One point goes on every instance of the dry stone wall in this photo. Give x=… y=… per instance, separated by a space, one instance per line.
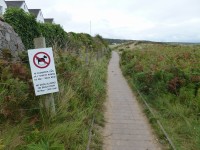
x=9 y=39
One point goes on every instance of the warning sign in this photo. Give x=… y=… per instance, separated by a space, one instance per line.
x=43 y=71
x=41 y=60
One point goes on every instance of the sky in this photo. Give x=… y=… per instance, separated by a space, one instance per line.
x=155 y=20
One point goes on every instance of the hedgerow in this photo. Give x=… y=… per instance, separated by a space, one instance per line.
x=54 y=34
x=26 y=26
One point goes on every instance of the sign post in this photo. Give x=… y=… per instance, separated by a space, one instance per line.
x=43 y=73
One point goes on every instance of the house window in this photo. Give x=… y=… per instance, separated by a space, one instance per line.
x=1 y=10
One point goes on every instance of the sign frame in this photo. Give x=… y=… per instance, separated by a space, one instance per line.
x=43 y=71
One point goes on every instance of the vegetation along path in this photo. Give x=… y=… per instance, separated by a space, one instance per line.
x=127 y=127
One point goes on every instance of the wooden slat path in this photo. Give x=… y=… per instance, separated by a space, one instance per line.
x=127 y=127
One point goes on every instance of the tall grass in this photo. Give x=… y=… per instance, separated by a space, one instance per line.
x=80 y=99
x=168 y=76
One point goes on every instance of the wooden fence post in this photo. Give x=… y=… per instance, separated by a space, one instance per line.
x=49 y=99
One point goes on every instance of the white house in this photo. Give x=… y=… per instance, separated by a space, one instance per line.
x=18 y=4
x=38 y=14
x=3 y=7
x=49 y=20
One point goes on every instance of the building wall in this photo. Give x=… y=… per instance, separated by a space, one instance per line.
x=40 y=17
x=24 y=7
x=4 y=6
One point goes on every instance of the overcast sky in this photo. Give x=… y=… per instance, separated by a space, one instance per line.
x=158 y=20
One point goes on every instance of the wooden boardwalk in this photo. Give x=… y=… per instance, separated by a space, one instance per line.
x=127 y=128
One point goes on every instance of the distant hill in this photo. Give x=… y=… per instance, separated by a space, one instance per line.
x=117 y=41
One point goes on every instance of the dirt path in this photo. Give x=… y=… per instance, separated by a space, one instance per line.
x=127 y=127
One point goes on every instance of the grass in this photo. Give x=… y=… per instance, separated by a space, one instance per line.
x=82 y=93
x=168 y=76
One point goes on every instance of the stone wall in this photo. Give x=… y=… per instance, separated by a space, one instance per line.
x=9 y=39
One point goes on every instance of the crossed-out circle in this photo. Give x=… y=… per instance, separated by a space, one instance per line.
x=46 y=60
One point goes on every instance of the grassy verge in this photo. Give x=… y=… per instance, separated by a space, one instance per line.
x=82 y=93
x=169 y=79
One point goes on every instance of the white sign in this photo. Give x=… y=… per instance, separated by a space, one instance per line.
x=43 y=71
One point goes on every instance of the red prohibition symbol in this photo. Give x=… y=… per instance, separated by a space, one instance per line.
x=41 y=60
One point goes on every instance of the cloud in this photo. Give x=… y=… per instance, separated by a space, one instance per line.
x=161 y=20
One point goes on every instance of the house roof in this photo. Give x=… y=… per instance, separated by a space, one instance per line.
x=35 y=12
x=49 y=20
x=14 y=3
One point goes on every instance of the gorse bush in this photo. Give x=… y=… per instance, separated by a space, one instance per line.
x=24 y=24
x=169 y=78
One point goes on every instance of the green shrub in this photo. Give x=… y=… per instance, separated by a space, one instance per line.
x=24 y=24
x=83 y=41
x=82 y=93
x=54 y=34
x=23 y=121
x=16 y=91
x=169 y=78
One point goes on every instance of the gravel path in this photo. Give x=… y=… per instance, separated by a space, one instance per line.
x=127 y=127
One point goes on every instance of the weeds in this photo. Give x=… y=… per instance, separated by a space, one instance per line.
x=24 y=123
x=168 y=77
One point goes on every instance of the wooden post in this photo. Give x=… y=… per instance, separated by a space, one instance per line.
x=39 y=42
x=49 y=103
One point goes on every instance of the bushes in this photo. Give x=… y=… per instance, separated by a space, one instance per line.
x=28 y=29
x=83 y=41
x=169 y=78
x=169 y=67
x=54 y=35
x=24 y=24
x=16 y=91
x=23 y=123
